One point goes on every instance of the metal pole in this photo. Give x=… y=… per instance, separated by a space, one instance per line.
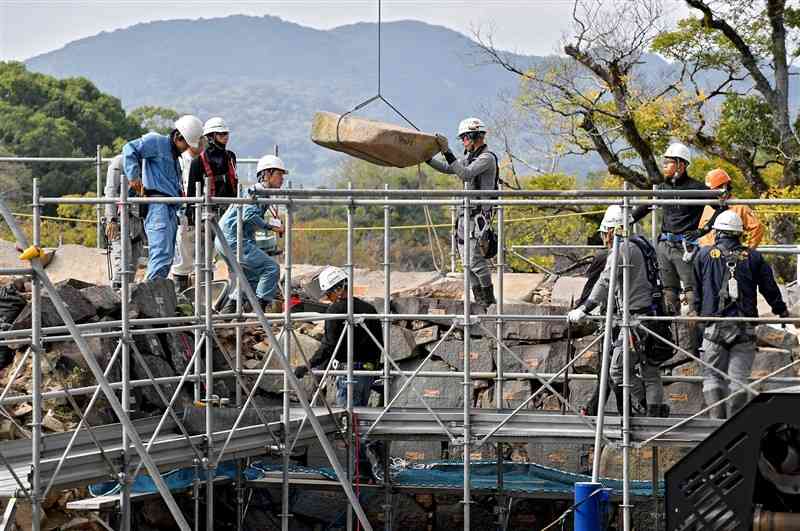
x=452 y=239
x=654 y=220
x=36 y=376
x=626 y=369
x=387 y=353
x=287 y=348
x=500 y=380
x=198 y=274
x=608 y=341
x=467 y=382
x=125 y=277
x=239 y=466
x=99 y=208
x=208 y=217
x=350 y=344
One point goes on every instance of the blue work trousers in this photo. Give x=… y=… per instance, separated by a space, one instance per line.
x=261 y=271
x=161 y=226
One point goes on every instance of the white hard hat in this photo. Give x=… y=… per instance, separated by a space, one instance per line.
x=215 y=125
x=471 y=125
x=611 y=219
x=676 y=150
x=729 y=221
x=330 y=277
x=270 y=162
x=191 y=129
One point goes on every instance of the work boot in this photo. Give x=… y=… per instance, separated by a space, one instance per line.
x=181 y=283
x=488 y=295
x=477 y=294
x=637 y=409
x=658 y=410
x=712 y=396
x=737 y=402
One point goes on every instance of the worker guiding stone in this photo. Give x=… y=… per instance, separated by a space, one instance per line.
x=728 y=276
x=478 y=168
x=218 y=164
x=261 y=271
x=647 y=391
x=154 y=158
x=367 y=349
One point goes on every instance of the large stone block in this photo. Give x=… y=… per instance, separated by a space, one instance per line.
x=403 y=343
x=79 y=309
x=684 y=398
x=437 y=391
x=773 y=336
x=302 y=347
x=154 y=298
x=515 y=392
x=426 y=335
x=539 y=358
x=588 y=362
x=769 y=360
x=481 y=354
x=581 y=391
x=147 y=397
x=430 y=306
x=417 y=450
x=534 y=330
x=104 y=299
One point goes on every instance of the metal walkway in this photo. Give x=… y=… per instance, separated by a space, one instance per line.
x=84 y=464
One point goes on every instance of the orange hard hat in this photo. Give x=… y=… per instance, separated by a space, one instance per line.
x=717 y=177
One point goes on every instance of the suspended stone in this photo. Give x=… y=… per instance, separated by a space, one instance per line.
x=376 y=142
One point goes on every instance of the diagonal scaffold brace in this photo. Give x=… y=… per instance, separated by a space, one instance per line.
x=341 y=474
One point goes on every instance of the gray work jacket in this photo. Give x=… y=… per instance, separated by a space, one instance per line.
x=480 y=171
x=640 y=291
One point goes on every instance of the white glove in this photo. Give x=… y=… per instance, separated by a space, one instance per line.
x=444 y=145
x=577 y=315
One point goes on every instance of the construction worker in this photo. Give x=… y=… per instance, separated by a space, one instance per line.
x=154 y=158
x=478 y=168
x=677 y=243
x=718 y=179
x=366 y=352
x=647 y=391
x=136 y=239
x=219 y=164
x=262 y=272
x=728 y=275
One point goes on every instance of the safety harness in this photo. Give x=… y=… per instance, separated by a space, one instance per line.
x=729 y=287
x=212 y=182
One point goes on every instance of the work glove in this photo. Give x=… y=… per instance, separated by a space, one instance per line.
x=300 y=372
x=112 y=230
x=444 y=145
x=577 y=315
x=694 y=235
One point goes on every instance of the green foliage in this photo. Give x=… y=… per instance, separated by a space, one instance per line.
x=745 y=122
x=154 y=118
x=41 y=116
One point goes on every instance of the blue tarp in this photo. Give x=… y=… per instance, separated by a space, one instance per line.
x=528 y=478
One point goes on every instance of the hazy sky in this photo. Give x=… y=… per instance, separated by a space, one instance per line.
x=31 y=27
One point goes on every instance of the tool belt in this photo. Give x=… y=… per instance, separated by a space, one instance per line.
x=674 y=238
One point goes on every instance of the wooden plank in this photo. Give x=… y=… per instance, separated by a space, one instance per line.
x=9 y=515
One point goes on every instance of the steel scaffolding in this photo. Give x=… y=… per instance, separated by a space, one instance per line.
x=144 y=445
